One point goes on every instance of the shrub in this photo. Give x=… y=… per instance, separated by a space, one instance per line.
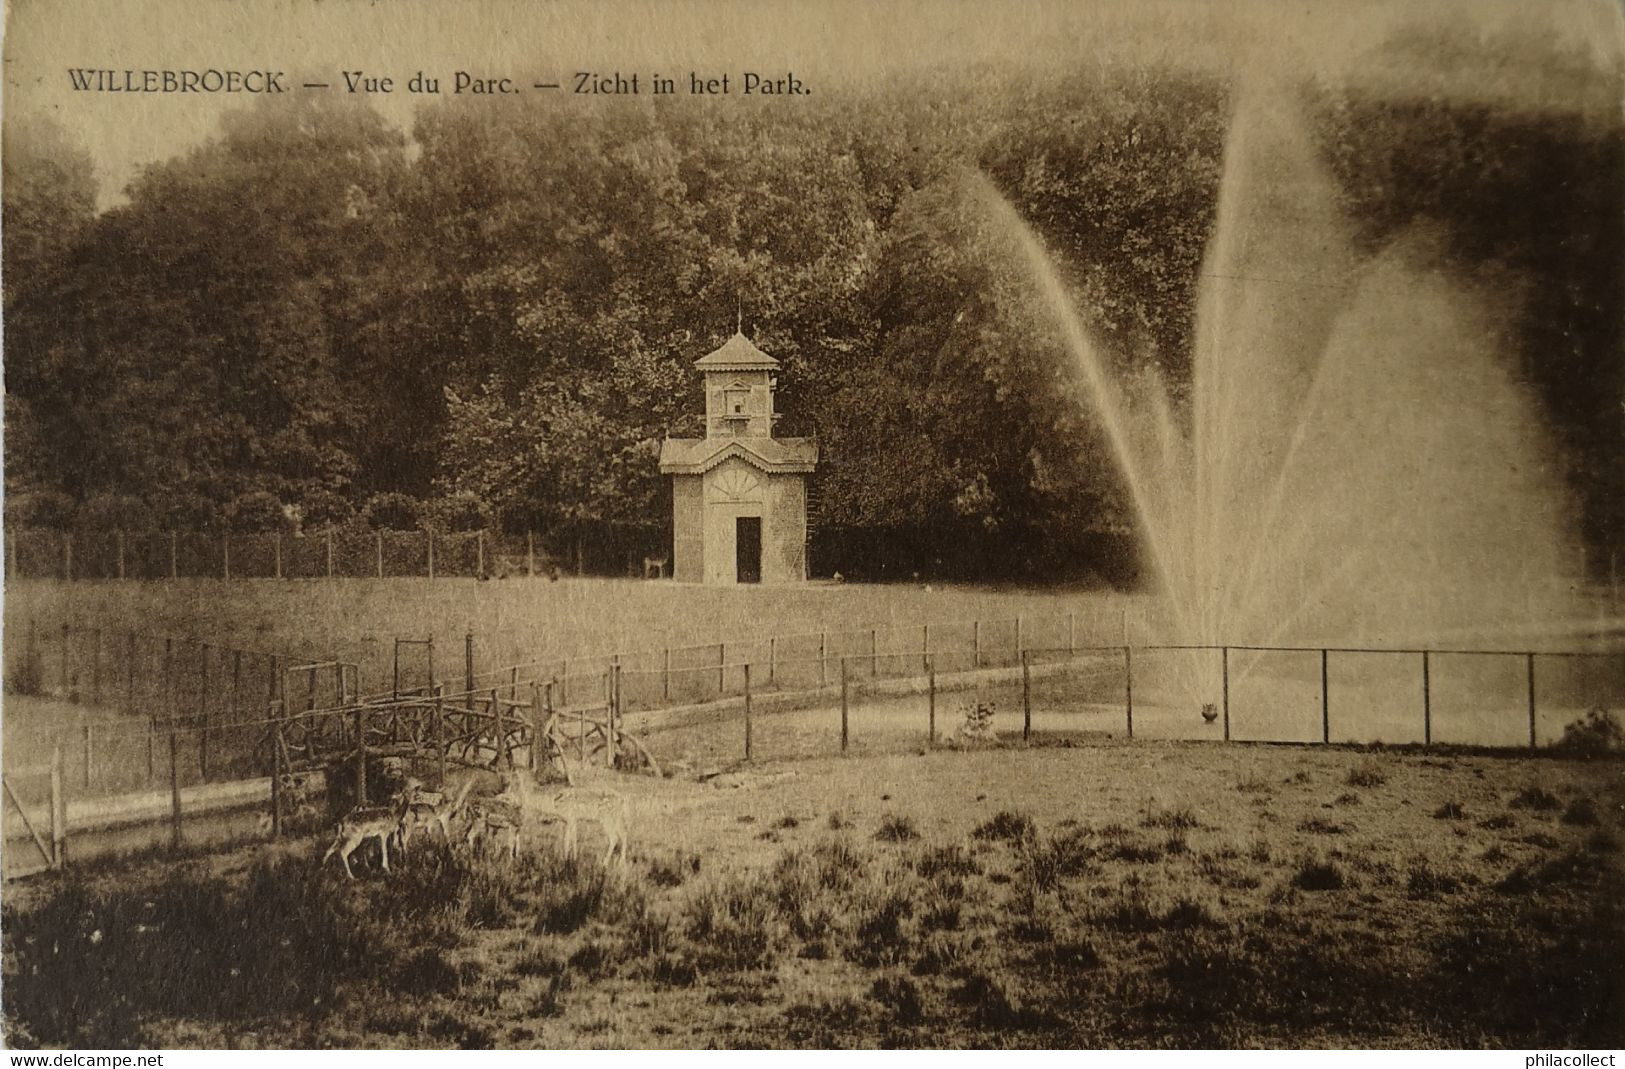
x=321 y=509
x=1182 y=817
x=40 y=508
x=1425 y=881
x=673 y=870
x=902 y=996
x=1581 y=812
x=1535 y=798
x=461 y=511
x=976 y=723
x=733 y=925
x=883 y=930
x=1450 y=811
x=253 y=512
x=1366 y=775
x=1602 y=841
x=1598 y=732
x=1006 y=825
x=1316 y=874
x=392 y=512
x=184 y=512
x=950 y=860
x=114 y=512
x=988 y=994
x=896 y=829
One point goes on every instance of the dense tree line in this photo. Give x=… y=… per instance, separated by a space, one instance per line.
x=498 y=314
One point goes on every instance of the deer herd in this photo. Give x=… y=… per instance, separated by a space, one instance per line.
x=501 y=816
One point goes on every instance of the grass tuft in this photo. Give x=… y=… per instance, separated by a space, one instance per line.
x=897 y=829
x=1319 y=874
x=1006 y=826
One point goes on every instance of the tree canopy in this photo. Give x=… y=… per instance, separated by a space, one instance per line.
x=500 y=311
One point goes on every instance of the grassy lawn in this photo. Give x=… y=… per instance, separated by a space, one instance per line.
x=523 y=620
x=1108 y=894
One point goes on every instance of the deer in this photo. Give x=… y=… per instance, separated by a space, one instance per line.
x=492 y=817
x=360 y=824
x=572 y=805
x=425 y=809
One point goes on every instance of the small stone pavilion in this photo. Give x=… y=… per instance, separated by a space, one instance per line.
x=739 y=495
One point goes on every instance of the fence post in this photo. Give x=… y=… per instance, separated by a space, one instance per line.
x=275 y=735
x=120 y=542
x=772 y=659
x=931 y=700
x=360 y=756
x=96 y=666
x=174 y=564
x=169 y=679
x=976 y=640
x=502 y=729
x=225 y=555
x=203 y=714
x=1427 y=703
x=1026 y=699
x=1531 y=670
x=535 y=720
x=747 y=710
x=665 y=675
x=440 y=734
x=59 y=829
x=90 y=760
x=129 y=677
x=1019 y=646
x=174 y=788
x=823 y=658
x=843 y=706
x=1224 y=665
x=613 y=744
x=479 y=549
x=1071 y=632
x=925 y=647
x=378 y=548
x=429 y=538
x=1128 y=687
x=468 y=669
x=874 y=664
x=722 y=668
x=1325 y=703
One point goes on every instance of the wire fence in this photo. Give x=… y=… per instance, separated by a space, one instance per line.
x=120 y=712
x=886 y=703
x=341 y=553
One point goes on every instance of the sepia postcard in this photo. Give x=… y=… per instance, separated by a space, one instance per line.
x=913 y=524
